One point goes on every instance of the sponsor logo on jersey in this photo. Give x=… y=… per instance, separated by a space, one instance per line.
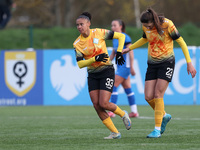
x=95 y=41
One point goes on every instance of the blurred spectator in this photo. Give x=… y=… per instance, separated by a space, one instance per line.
x=5 y=14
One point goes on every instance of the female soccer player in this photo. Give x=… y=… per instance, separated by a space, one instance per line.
x=91 y=46
x=160 y=33
x=122 y=75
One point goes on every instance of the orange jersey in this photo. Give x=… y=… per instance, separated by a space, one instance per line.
x=92 y=46
x=160 y=47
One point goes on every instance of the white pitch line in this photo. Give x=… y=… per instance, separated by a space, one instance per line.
x=144 y=117
x=65 y=117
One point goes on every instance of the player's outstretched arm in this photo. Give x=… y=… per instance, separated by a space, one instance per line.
x=121 y=39
x=135 y=45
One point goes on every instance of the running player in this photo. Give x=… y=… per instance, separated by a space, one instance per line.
x=160 y=33
x=122 y=75
x=91 y=52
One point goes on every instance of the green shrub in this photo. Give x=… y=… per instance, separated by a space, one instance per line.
x=58 y=38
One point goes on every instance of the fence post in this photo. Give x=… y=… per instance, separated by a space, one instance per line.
x=31 y=36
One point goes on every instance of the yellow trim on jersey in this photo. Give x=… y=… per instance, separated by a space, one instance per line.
x=138 y=43
x=85 y=63
x=121 y=40
x=184 y=48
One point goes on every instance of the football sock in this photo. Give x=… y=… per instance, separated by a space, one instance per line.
x=157 y=128
x=134 y=108
x=114 y=95
x=109 y=124
x=130 y=95
x=152 y=104
x=131 y=99
x=119 y=112
x=159 y=109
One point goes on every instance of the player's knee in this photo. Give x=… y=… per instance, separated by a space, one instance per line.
x=158 y=94
x=148 y=97
x=104 y=105
x=96 y=106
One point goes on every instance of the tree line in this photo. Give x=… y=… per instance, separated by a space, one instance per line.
x=50 y=13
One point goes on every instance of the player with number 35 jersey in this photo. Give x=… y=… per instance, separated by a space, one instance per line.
x=91 y=52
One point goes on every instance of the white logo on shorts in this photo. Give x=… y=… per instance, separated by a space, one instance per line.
x=169 y=72
x=109 y=83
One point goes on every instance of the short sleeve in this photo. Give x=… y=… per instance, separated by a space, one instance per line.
x=127 y=40
x=115 y=44
x=173 y=32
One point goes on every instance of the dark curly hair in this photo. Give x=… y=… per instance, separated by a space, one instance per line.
x=85 y=15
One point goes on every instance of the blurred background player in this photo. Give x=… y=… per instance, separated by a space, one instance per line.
x=160 y=33
x=122 y=75
x=91 y=46
x=5 y=12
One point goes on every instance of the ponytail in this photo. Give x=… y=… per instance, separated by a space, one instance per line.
x=121 y=23
x=123 y=26
x=150 y=15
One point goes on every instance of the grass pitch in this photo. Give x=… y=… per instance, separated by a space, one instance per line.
x=79 y=128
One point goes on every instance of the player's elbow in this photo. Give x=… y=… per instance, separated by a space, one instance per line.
x=122 y=36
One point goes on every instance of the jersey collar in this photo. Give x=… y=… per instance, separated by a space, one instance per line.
x=84 y=39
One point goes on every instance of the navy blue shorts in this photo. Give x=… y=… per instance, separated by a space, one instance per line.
x=163 y=71
x=103 y=80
